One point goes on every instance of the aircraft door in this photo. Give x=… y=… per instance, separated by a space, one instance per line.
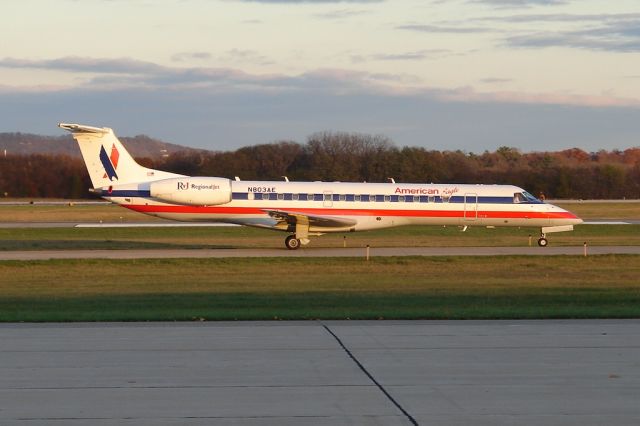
x=470 y=207
x=327 y=199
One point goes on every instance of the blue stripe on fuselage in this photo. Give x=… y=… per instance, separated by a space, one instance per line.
x=126 y=193
x=349 y=197
x=380 y=198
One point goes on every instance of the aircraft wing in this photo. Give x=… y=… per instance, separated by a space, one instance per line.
x=296 y=218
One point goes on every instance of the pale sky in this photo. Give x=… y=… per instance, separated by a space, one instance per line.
x=221 y=74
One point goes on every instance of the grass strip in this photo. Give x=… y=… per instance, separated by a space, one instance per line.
x=72 y=212
x=276 y=288
x=562 y=303
x=244 y=237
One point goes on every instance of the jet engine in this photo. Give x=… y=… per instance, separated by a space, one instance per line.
x=192 y=191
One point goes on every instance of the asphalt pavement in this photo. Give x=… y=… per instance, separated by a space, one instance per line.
x=312 y=373
x=315 y=252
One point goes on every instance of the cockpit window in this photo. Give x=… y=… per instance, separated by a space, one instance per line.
x=524 y=197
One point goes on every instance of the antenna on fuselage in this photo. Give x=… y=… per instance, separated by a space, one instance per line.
x=237 y=179
x=286 y=179
x=392 y=180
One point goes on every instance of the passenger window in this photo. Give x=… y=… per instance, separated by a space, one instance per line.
x=431 y=199
x=257 y=196
x=342 y=197
x=356 y=198
x=327 y=197
x=401 y=198
x=294 y=197
x=387 y=198
x=416 y=198
x=445 y=198
x=372 y=198
x=280 y=196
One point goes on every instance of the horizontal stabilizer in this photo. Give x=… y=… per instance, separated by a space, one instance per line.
x=79 y=128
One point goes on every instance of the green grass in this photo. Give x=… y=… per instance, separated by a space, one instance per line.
x=244 y=237
x=197 y=237
x=338 y=288
x=71 y=212
x=193 y=307
x=603 y=210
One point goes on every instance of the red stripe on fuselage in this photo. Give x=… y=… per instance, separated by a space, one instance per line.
x=349 y=212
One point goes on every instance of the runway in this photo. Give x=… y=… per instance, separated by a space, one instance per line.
x=158 y=224
x=312 y=373
x=173 y=224
x=314 y=252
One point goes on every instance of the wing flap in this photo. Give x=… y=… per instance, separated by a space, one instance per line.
x=298 y=218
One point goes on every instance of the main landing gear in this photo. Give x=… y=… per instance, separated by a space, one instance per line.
x=292 y=242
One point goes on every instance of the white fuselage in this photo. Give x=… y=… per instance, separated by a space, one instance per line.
x=305 y=208
x=365 y=205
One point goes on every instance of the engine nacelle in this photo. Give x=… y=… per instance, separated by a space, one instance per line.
x=193 y=191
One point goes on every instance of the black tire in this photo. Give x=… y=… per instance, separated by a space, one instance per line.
x=542 y=242
x=292 y=242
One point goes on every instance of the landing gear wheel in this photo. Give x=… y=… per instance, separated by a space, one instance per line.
x=542 y=242
x=292 y=242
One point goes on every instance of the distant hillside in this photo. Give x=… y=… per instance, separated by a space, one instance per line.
x=138 y=146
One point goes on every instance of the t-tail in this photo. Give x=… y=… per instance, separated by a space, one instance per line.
x=108 y=162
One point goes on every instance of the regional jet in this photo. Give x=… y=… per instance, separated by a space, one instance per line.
x=306 y=209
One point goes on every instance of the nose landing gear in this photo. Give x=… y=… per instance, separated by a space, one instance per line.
x=542 y=241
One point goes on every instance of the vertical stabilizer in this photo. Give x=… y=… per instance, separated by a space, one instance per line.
x=107 y=160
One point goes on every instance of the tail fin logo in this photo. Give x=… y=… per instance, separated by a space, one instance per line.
x=110 y=163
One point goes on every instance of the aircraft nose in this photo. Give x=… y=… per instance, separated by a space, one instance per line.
x=562 y=216
x=574 y=220
x=570 y=218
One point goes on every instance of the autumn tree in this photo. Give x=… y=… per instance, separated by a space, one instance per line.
x=356 y=157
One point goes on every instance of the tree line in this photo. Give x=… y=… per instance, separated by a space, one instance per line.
x=332 y=156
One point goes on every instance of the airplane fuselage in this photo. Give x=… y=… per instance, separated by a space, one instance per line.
x=303 y=209
x=368 y=205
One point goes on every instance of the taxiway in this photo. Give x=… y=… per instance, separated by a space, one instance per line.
x=313 y=373
x=314 y=252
